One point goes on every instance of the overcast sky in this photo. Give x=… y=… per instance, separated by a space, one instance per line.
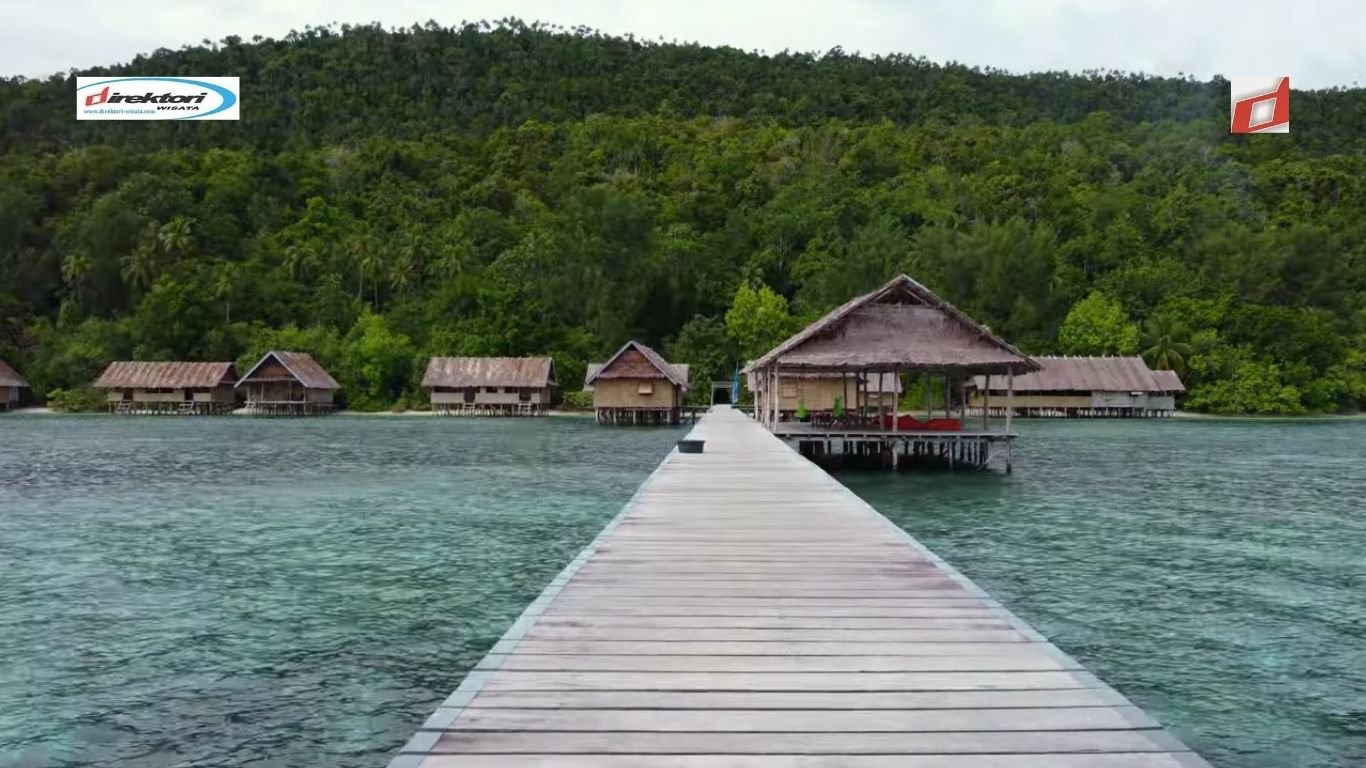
x=1317 y=42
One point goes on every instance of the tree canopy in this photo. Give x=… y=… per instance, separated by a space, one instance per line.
x=504 y=189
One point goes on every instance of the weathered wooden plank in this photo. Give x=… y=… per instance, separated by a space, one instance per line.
x=767 y=648
x=933 y=608
x=1020 y=662
x=1019 y=742
x=967 y=699
x=507 y=680
x=548 y=632
x=721 y=760
x=805 y=720
x=929 y=619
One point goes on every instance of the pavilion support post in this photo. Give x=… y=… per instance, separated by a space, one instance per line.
x=1010 y=410
x=777 y=396
x=896 y=378
x=986 y=402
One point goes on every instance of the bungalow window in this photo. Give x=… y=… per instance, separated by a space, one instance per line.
x=646 y=388
x=509 y=390
x=490 y=389
x=524 y=395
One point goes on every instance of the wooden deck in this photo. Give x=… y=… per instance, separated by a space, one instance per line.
x=745 y=610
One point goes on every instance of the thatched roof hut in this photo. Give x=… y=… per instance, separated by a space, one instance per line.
x=1084 y=386
x=459 y=372
x=901 y=326
x=138 y=374
x=285 y=383
x=11 y=386
x=290 y=367
x=637 y=386
x=636 y=361
x=1090 y=374
x=490 y=385
x=169 y=387
x=11 y=378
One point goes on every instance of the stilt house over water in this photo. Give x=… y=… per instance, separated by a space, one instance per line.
x=1085 y=387
x=490 y=386
x=12 y=387
x=289 y=384
x=637 y=386
x=900 y=328
x=169 y=387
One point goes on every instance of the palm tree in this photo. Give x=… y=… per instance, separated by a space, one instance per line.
x=300 y=260
x=74 y=269
x=174 y=237
x=139 y=268
x=369 y=264
x=224 y=288
x=1163 y=347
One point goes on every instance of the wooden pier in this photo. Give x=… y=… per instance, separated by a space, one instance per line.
x=745 y=610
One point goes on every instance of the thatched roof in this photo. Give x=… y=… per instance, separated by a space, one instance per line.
x=1090 y=374
x=900 y=325
x=290 y=366
x=1169 y=381
x=137 y=374
x=533 y=372
x=636 y=361
x=9 y=377
x=876 y=382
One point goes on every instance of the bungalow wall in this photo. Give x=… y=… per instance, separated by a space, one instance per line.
x=285 y=392
x=999 y=400
x=491 y=395
x=636 y=393
x=219 y=394
x=9 y=397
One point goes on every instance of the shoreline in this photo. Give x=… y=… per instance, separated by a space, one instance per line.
x=559 y=413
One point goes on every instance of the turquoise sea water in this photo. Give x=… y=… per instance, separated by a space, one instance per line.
x=1212 y=570
x=235 y=592
x=240 y=592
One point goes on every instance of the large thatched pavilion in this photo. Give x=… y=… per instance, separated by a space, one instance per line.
x=899 y=329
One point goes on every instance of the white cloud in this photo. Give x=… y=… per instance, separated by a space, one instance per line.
x=1316 y=43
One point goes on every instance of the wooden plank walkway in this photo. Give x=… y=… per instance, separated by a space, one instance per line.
x=745 y=610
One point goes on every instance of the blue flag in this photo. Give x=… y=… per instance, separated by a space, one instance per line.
x=735 y=387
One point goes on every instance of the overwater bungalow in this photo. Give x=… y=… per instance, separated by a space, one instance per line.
x=637 y=386
x=12 y=387
x=144 y=387
x=490 y=386
x=1083 y=387
x=819 y=393
x=900 y=328
x=289 y=384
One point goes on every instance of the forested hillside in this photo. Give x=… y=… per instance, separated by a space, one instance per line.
x=511 y=190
